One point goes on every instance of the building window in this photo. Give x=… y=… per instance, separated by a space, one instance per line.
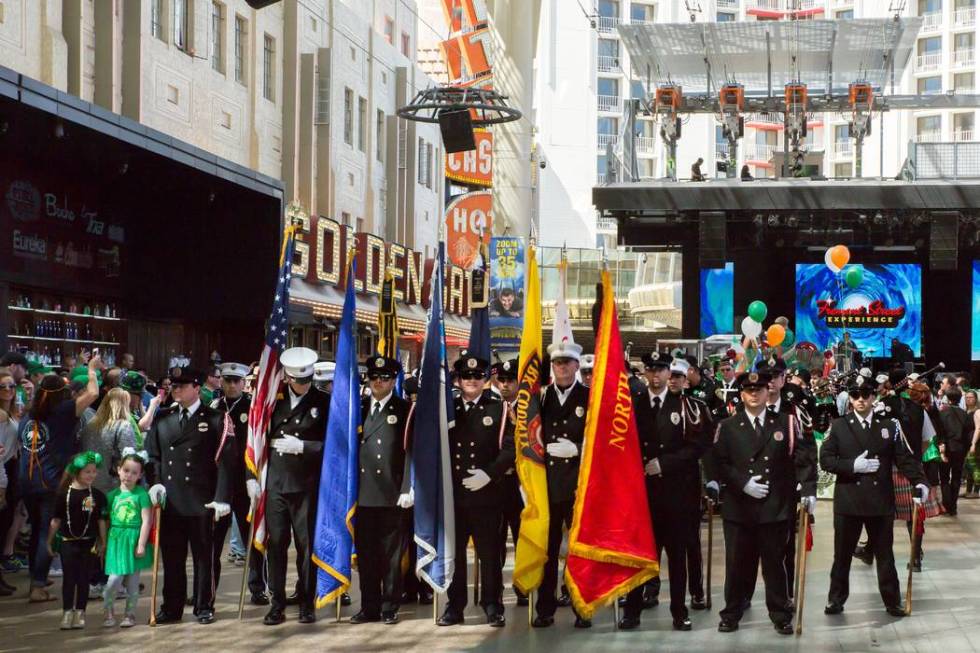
x=929 y=85
x=643 y=14
x=428 y=165
x=930 y=7
x=269 y=68
x=842 y=169
x=422 y=170
x=846 y=14
x=842 y=133
x=406 y=45
x=156 y=19
x=348 y=116
x=362 y=124
x=963 y=126
x=963 y=82
x=180 y=23
x=725 y=17
x=928 y=128
x=933 y=45
x=379 y=139
x=241 y=34
x=390 y=30
x=345 y=218
x=636 y=90
x=217 y=36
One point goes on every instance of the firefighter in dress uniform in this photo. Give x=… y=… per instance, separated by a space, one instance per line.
x=481 y=454
x=760 y=458
x=563 y=407
x=235 y=403
x=674 y=432
x=384 y=492
x=297 y=429
x=190 y=473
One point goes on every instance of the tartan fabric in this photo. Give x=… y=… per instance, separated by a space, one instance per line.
x=903 y=498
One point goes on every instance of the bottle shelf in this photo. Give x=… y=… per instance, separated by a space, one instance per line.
x=65 y=314
x=44 y=339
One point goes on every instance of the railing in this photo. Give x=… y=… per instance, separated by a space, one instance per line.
x=608 y=23
x=932 y=61
x=965 y=17
x=728 y=4
x=642 y=21
x=962 y=135
x=771 y=118
x=965 y=57
x=932 y=20
x=609 y=103
x=843 y=3
x=771 y=5
x=608 y=139
x=957 y=160
x=843 y=149
x=758 y=151
x=645 y=143
x=606 y=224
x=607 y=64
x=927 y=137
x=721 y=150
x=600 y=178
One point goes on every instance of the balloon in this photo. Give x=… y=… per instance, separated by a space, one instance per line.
x=829 y=263
x=839 y=256
x=757 y=311
x=751 y=328
x=854 y=276
x=788 y=338
x=782 y=321
x=775 y=335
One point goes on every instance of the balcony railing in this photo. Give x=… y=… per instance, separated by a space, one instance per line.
x=966 y=17
x=770 y=118
x=759 y=151
x=645 y=143
x=608 y=139
x=933 y=61
x=609 y=23
x=721 y=150
x=932 y=20
x=642 y=21
x=843 y=149
x=771 y=5
x=610 y=103
x=607 y=64
x=928 y=137
x=600 y=178
x=966 y=57
x=728 y=4
x=961 y=135
x=843 y=3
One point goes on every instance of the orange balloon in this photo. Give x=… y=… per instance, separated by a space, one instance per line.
x=840 y=255
x=775 y=335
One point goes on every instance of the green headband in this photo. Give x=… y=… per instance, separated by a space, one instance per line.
x=79 y=462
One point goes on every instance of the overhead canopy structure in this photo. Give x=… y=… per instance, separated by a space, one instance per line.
x=763 y=56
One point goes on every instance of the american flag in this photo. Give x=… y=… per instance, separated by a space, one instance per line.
x=267 y=384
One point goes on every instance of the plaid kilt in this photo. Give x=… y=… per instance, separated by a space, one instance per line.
x=903 y=498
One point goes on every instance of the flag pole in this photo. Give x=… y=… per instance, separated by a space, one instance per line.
x=338 y=606
x=530 y=609
x=248 y=559
x=711 y=530
x=435 y=607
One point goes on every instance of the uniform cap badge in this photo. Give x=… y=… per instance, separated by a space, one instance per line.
x=379 y=362
x=471 y=363
x=753 y=378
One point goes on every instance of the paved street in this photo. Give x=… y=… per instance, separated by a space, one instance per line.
x=946 y=617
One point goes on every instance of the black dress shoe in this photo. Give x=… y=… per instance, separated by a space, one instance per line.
x=363 y=618
x=697 y=603
x=521 y=598
x=833 y=608
x=650 y=600
x=582 y=623
x=896 y=610
x=682 y=624
x=496 y=620
x=260 y=598
x=407 y=598
x=746 y=605
x=293 y=599
x=621 y=601
x=205 y=617
x=425 y=598
x=629 y=623
x=5 y=585
x=274 y=617
x=390 y=617
x=564 y=600
x=345 y=599
x=307 y=616
x=450 y=618
x=785 y=628
x=727 y=626
x=167 y=618
x=190 y=601
x=542 y=622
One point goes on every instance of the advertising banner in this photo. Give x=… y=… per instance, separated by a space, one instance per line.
x=506 y=292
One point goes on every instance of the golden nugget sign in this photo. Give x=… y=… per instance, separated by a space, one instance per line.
x=320 y=261
x=474 y=167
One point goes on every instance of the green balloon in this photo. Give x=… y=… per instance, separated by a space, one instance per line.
x=788 y=339
x=758 y=311
x=854 y=276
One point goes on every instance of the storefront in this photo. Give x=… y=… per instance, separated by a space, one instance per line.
x=118 y=237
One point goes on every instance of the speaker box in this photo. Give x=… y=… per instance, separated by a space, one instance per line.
x=944 y=240
x=259 y=4
x=712 y=235
x=457 y=131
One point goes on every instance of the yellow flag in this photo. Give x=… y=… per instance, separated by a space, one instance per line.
x=532 y=544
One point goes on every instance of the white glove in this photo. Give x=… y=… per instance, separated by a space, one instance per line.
x=923 y=493
x=407 y=500
x=253 y=488
x=809 y=504
x=755 y=489
x=714 y=490
x=563 y=448
x=288 y=444
x=220 y=509
x=652 y=468
x=864 y=465
x=158 y=494
x=477 y=480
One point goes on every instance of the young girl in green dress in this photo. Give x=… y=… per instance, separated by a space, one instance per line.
x=129 y=516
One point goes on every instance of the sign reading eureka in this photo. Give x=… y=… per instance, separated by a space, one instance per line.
x=322 y=245
x=874 y=315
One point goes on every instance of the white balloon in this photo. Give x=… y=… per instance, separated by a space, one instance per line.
x=751 y=328
x=829 y=262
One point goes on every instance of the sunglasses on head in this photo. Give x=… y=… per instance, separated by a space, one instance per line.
x=863 y=393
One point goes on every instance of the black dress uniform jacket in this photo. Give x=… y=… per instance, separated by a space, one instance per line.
x=739 y=455
x=184 y=460
x=307 y=421
x=867 y=495
x=563 y=421
x=237 y=411
x=383 y=463
x=475 y=443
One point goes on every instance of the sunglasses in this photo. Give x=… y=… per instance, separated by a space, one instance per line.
x=862 y=394
x=380 y=377
x=471 y=375
x=6 y=386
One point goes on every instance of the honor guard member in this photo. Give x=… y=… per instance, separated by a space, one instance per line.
x=235 y=403
x=296 y=432
x=674 y=433
x=727 y=391
x=861 y=448
x=384 y=492
x=481 y=455
x=323 y=376
x=586 y=368
x=190 y=472
x=504 y=375
x=563 y=407
x=760 y=458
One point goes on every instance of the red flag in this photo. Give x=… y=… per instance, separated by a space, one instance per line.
x=611 y=547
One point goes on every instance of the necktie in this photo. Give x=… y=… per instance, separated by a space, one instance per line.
x=469 y=404
x=377 y=409
x=183 y=417
x=656 y=406
x=758 y=426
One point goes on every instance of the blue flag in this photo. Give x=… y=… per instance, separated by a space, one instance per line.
x=435 y=528
x=333 y=540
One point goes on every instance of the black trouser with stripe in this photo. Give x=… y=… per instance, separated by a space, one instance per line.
x=256 y=562
x=378 y=542
x=176 y=533
x=483 y=524
x=745 y=546
x=559 y=514
x=847 y=530
x=292 y=513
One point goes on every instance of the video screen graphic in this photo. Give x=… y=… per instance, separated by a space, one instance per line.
x=975 y=347
x=718 y=301
x=887 y=304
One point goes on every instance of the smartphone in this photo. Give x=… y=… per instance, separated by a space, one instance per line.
x=95 y=351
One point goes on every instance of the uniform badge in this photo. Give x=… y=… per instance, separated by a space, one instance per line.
x=202 y=427
x=579 y=411
x=392 y=419
x=675 y=418
x=487 y=421
x=506 y=366
x=778 y=436
x=885 y=434
x=243 y=417
x=471 y=363
x=314 y=412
